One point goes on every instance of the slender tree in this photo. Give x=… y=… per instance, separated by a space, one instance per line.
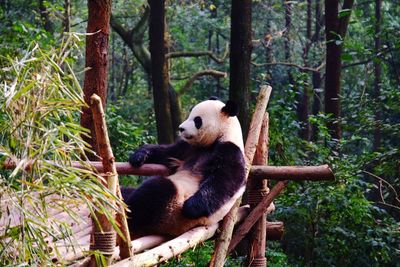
x=241 y=47
x=287 y=5
x=159 y=72
x=96 y=61
x=268 y=46
x=316 y=76
x=303 y=106
x=44 y=14
x=378 y=76
x=67 y=16
x=335 y=31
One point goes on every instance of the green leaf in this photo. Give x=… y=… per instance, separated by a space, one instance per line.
x=344 y=13
x=347 y=57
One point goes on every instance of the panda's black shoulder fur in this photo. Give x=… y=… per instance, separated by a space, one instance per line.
x=223 y=176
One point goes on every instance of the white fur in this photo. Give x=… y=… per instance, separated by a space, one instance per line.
x=216 y=125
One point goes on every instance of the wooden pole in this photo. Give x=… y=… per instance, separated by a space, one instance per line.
x=277 y=173
x=223 y=240
x=104 y=234
x=257 y=188
x=255 y=214
x=292 y=173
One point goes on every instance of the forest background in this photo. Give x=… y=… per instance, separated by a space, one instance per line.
x=353 y=221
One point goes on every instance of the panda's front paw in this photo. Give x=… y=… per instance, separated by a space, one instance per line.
x=139 y=157
x=194 y=208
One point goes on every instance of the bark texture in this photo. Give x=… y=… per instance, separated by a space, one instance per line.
x=159 y=72
x=335 y=31
x=241 y=47
x=97 y=61
x=378 y=76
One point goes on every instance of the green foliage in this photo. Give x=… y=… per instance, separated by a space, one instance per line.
x=333 y=223
x=353 y=221
x=125 y=135
x=38 y=131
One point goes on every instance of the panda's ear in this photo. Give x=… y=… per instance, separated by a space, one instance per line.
x=230 y=108
x=213 y=98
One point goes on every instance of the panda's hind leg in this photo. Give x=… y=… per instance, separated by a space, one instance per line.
x=148 y=205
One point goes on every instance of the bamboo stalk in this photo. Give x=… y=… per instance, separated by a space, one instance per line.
x=223 y=240
x=255 y=214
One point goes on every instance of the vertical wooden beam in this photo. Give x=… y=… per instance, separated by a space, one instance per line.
x=104 y=236
x=257 y=189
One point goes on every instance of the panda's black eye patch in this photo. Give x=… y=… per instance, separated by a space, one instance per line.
x=198 y=122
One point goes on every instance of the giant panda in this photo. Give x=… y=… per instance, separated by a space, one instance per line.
x=207 y=166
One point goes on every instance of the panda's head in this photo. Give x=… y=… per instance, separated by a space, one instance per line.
x=212 y=120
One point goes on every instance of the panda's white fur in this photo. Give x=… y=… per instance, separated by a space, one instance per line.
x=217 y=126
x=207 y=181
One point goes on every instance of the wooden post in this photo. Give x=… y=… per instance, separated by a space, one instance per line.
x=257 y=189
x=255 y=214
x=104 y=236
x=223 y=240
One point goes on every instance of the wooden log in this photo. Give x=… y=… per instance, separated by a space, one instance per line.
x=292 y=173
x=277 y=173
x=108 y=162
x=223 y=240
x=256 y=188
x=123 y=168
x=175 y=246
x=274 y=231
x=255 y=214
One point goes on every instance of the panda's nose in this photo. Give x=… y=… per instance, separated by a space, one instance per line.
x=181 y=129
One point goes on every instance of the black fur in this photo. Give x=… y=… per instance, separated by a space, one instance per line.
x=213 y=98
x=148 y=202
x=221 y=165
x=223 y=176
x=230 y=109
x=126 y=192
x=198 y=122
x=160 y=154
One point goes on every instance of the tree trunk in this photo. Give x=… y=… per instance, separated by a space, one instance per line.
x=133 y=38
x=241 y=47
x=287 y=5
x=304 y=99
x=335 y=31
x=316 y=76
x=67 y=16
x=268 y=50
x=316 y=105
x=44 y=14
x=378 y=76
x=159 y=72
x=97 y=60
